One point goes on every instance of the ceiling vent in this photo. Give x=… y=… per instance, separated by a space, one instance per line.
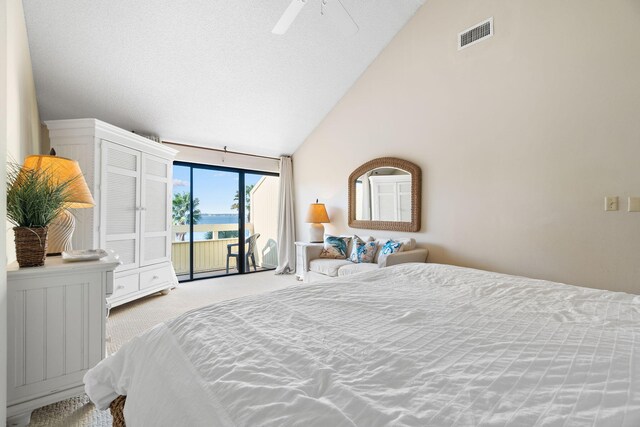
x=475 y=34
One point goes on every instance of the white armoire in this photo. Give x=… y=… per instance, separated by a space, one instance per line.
x=130 y=178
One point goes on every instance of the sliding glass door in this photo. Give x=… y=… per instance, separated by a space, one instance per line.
x=225 y=221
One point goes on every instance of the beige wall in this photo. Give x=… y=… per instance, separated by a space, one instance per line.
x=19 y=136
x=264 y=217
x=23 y=123
x=3 y=213
x=519 y=137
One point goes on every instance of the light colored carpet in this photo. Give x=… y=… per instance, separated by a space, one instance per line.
x=129 y=320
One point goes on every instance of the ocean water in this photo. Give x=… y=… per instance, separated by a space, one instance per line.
x=213 y=219
x=218 y=219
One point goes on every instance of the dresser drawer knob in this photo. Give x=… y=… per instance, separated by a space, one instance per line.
x=120 y=287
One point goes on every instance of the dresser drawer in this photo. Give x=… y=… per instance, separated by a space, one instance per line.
x=125 y=285
x=155 y=277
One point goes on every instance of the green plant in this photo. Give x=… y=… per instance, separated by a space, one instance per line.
x=182 y=212
x=247 y=199
x=34 y=196
x=181 y=209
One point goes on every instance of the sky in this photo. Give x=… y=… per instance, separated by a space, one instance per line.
x=214 y=188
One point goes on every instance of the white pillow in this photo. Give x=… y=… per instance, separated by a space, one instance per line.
x=335 y=247
x=390 y=247
x=363 y=250
x=408 y=244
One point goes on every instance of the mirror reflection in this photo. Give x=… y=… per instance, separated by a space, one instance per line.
x=383 y=194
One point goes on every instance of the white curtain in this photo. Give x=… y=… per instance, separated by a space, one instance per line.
x=286 y=224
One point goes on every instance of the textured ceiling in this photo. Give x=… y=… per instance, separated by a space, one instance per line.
x=205 y=72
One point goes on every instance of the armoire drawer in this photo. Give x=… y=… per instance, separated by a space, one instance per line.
x=155 y=277
x=125 y=285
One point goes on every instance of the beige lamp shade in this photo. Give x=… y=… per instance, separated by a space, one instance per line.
x=317 y=213
x=61 y=170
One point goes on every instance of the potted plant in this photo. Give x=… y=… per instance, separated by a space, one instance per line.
x=34 y=198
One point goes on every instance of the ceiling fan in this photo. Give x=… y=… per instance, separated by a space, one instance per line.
x=332 y=9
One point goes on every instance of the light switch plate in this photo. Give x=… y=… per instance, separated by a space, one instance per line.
x=611 y=203
x=634 y=204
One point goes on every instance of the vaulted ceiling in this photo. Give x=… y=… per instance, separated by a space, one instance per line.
x=204 y=72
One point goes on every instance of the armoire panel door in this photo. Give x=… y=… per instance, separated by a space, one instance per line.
x=120 y=215
x=156 y=187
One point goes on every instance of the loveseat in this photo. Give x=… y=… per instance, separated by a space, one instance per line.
x=316 y=268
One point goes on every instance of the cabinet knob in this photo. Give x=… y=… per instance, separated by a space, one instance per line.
x=155 y=278
x=120 y=287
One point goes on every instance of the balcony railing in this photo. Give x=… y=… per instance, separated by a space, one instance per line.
x=208 y=255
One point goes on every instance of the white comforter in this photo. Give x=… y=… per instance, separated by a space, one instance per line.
x=416 y=344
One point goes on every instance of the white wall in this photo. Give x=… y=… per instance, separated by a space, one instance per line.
x=519 y=137
x=19 y=137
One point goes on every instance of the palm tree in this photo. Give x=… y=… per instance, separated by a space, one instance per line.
x=182 y=212
x=247 y=197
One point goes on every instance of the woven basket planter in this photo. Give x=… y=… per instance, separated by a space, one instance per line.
x=117 y=411
x=31 y=246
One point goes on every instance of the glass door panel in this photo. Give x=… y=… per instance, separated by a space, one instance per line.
x=181 y=224
x=224 y=221
x=261 y=221
x=215 y=223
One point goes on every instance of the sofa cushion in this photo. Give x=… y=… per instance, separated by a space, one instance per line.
x=408 y=244
x=327 y=266
x=352 y=268
x=335 y=247
x=363 y=250
x=390 y=247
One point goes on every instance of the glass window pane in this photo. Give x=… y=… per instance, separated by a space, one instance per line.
x=261 y=221
x=215 y=230
x=180 y=255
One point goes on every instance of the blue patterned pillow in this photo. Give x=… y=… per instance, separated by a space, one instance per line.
x=362 y=251
x=391 y=247
x=335 y=247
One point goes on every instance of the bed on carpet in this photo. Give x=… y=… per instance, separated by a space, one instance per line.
x=414 y=345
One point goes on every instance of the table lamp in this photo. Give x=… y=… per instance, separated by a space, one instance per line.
x=316 y=215
x=79 y=196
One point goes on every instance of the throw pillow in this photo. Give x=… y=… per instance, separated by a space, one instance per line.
x=335 y=247
x=391 y=247
x=362 y=251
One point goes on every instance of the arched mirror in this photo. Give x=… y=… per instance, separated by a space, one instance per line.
x=384 y=194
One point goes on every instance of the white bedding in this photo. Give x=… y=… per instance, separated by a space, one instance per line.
x=415 y=344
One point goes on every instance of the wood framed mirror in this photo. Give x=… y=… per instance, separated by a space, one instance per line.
x=385 y=194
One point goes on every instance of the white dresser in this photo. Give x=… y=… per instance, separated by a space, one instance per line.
x=130 y=178
x=56 y=331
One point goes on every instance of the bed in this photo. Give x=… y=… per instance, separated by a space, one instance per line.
x=414 y=344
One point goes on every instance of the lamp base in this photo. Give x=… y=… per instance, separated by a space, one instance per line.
x=60 y=232
x=316 y=233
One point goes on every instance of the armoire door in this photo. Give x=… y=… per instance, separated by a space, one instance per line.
x=120 y=213
x=156 y=185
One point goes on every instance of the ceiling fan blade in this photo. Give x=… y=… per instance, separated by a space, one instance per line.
x=335 y=11
x=288 y=16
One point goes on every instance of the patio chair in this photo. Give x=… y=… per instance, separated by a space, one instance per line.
x=249 y=252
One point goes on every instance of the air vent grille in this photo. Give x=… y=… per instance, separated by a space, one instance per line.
x=475 y=34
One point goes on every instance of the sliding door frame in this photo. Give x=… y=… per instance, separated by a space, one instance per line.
x=241 y=214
